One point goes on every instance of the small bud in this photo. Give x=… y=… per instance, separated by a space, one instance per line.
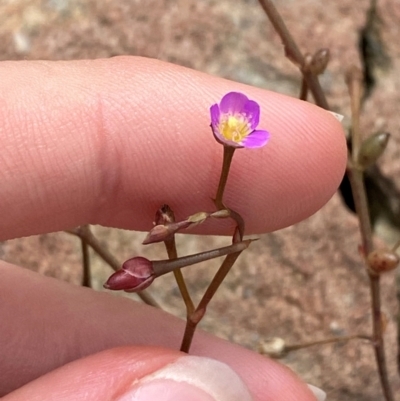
x=161 y=232
x=198 y=218
x=164 y=215
x=135 y=275
x=319 y=61
x=372 y=148
x=220 y=214
x=381 y=261
x=157 y=234
x=273 y=347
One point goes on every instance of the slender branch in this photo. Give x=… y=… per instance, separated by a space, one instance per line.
x=354 y=81
x=161 y=267
x=198 y=314
x=303 y=90
x=295 y=347
x=195 y=318
x=356 y=177
x=293 y=52
x=85 y=234
x=170 y=245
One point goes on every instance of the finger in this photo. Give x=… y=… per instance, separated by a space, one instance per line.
x=109 y=141
x=144 y=374
x=51 y=323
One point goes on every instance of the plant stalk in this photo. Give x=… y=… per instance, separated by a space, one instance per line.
x=293 y=52
x=85 y=234
x=356 y=176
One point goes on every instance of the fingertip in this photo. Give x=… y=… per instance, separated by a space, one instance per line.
x=102 y=376
x=108 y=141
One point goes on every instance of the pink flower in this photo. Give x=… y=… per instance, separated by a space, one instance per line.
x=234 y=121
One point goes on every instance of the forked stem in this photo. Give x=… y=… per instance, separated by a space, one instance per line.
x=198 y=314
x=195 y=317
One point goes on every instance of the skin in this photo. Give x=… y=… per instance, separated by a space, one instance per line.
x=107 y=142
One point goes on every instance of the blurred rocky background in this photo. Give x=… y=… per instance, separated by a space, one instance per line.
x=303 y=283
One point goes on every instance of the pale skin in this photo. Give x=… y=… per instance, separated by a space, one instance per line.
x=107 y=142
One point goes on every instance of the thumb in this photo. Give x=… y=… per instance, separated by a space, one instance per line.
x=140 y=374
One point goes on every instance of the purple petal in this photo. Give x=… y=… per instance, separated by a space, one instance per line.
x=252 y=111
x=215 y=114
x=256 y=139
x=233 y=102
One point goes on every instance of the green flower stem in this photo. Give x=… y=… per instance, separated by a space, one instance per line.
x=86 y=235
x=356 y=176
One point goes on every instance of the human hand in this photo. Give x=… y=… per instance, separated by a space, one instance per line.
x=106 y=142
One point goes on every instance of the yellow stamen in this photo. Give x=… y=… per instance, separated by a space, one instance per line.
x=234 y=128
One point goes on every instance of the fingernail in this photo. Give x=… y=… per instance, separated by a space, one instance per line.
x=190 y=378
x=319 y=394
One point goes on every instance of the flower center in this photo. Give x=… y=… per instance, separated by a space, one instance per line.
x=234 y=127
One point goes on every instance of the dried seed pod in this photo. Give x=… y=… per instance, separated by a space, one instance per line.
x=381 y=261
x=164 y=215
x=372 y=148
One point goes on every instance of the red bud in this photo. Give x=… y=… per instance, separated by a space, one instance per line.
x=135 y=275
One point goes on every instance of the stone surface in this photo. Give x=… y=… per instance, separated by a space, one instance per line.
x=303 y=283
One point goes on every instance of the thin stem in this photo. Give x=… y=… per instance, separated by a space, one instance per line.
x=86 y=278
x=293 y=53
x=162 y=267
x=356 y=177
x=198 y=314
x=173 y=254
x=295 y=347
x=303 y=90
x=86 y=234
x=226 y=164
x=226 y=265
x=360 y=200
x=355 y=83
